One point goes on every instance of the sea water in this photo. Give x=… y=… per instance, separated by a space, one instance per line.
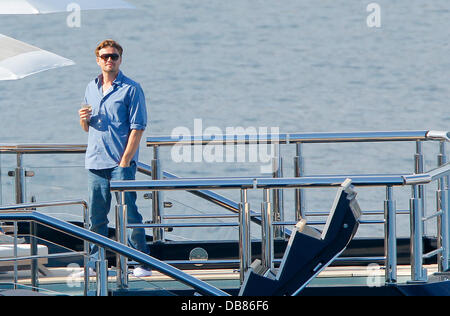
x=295 y=65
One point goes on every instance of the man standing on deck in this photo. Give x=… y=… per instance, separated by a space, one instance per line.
x=115 y=123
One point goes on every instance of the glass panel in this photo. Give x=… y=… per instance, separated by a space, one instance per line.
x=320 y=159
x=56 y=178
x=7 y=164
x=1 y=179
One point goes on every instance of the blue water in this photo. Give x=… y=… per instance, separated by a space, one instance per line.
x=301 y=66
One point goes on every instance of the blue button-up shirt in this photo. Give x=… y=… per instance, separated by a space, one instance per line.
x=114 y=115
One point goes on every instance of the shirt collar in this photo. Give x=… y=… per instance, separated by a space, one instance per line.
x=119 y=78
x=117 y=81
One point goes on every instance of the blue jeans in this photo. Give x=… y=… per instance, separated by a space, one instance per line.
x=100 y=204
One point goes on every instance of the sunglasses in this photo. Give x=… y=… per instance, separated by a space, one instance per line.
x=105 y=57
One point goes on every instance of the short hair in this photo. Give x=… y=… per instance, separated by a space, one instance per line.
x=108 y=43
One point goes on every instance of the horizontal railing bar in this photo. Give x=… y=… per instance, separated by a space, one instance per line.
x=350 y=259
x=428 y=176
x=290 y=138
x=181 y=184
x=262 y=138
x=277 y=261
x=25 y=206
x=361 y=259
x=387 y=136
x=196 y=262
x=200 y=262
x=372 y=221
x=432 y=253
x=269 y=183
x=282 y=223
x=43 y=148
x=369 y=180
x=218 y=139
x=168 y=225
x=382 y=136
x=249 y=183
x=312 y=214
x=48 y=256
x=367 y=213
x=368 y=221
x=169 y=217
x=433 y=216
x=439 y=172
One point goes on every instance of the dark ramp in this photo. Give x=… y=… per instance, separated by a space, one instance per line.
x=309 y=250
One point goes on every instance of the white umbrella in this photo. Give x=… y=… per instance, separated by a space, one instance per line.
x=18 y=59
x=53 y=6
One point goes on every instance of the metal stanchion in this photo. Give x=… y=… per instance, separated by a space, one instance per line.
x=245 y=247
x=390 y=239
x=418 y=169
x=299 y=193
x=443 y=220
x=102 y=273
x=418 y=273
x=278 y=200
x=157 y=197
x=267 y=231
x=121 y=235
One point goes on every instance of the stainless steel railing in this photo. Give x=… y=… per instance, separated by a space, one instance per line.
x=277 y=196
x=299 y=170
x=25 y=208
x=292 y=138
x=189 y=184
x=20 y=174
x=12 y=213
x=416 y=212
x=21 y=149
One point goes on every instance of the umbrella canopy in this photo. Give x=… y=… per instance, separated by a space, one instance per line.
x=53 y=6
x=18 y=59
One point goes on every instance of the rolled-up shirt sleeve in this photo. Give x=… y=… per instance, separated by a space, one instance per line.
x=138 y=109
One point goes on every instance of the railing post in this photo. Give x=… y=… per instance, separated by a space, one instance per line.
x=447 y=216
x=443 y=220
x=121 y=236
x=299 y=169
x=419 y=168
x=278 y=200
x=102 y=273
x=16 y=279
x=245 y=247
x=267 y=229
x=33 y=252
x=19 y=175
x=157 y=197
x=390 y=239
x=418 y=273
x=86 y=249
